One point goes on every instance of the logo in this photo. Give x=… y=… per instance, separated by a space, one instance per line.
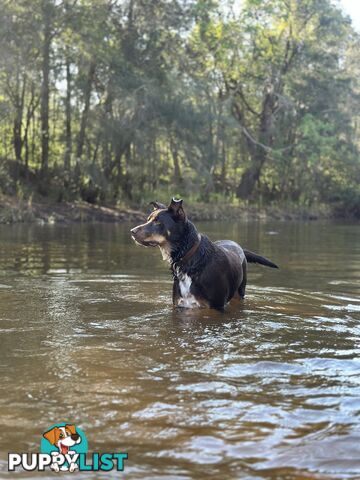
x=64 y=448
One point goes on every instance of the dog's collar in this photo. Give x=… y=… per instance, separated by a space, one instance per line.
x=190 y=253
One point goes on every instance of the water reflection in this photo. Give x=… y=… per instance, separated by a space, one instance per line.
x=268 y=389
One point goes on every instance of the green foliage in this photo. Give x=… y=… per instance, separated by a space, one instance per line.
x=140 y=99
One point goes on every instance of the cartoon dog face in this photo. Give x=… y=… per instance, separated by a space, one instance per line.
x=63 y=437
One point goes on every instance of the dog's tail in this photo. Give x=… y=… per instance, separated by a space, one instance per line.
x=252 y=257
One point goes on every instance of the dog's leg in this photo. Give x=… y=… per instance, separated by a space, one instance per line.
x=241 y=289
x=55 y=467
x=73 y=466
x=176 y=292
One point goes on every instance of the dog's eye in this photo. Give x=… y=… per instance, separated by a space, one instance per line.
x=61 y=435
x=157 y=223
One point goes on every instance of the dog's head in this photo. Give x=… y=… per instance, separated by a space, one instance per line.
x=63 y=437
x=164 y=226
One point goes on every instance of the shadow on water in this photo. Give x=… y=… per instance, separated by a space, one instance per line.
x=268 y=389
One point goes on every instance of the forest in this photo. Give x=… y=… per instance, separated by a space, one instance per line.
x=121 y=101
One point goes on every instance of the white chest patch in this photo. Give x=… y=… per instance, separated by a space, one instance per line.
x=187 y=299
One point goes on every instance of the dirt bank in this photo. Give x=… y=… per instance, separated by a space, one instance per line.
x=13 y=210
x=17 y=211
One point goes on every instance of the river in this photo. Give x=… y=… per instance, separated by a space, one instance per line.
x=270 y=389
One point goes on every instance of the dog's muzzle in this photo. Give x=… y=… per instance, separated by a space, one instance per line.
x=135 y=235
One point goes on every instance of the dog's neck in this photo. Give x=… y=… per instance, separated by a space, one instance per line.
x=179 y=249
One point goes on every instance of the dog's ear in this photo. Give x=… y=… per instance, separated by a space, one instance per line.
x=177 y=210
x=52 y=435
x=157 y=205
x=71 y=428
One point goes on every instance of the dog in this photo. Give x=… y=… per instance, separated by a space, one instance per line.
x=63 y=438
x=205 y=273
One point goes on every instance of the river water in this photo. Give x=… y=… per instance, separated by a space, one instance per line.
x=270 y=389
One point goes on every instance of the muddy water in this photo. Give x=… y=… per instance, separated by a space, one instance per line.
x=270 y=389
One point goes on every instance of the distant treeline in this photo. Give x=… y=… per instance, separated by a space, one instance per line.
x=118 y=100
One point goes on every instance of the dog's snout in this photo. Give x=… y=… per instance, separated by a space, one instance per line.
x=137 y=230
x=75 y=437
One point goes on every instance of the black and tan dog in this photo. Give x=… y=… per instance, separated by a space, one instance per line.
x=205 y=273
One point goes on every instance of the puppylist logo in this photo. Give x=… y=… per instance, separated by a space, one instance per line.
x=64 y=448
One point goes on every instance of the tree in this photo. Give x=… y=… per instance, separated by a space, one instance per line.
x=259 y=102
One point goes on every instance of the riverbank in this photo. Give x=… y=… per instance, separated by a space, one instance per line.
x=18 y=211
x=13 y=210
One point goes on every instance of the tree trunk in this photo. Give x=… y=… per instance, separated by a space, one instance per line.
x=108 y=136
x=223 y=167
x=68 y=133
x=120 y=173
x=45 y=88
x=19 y=110
x=258 y=149
x=128 y=184
x=85 y=113
x=29 y=116
x=248 y=181
x=175 y=156
x=17 y=135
